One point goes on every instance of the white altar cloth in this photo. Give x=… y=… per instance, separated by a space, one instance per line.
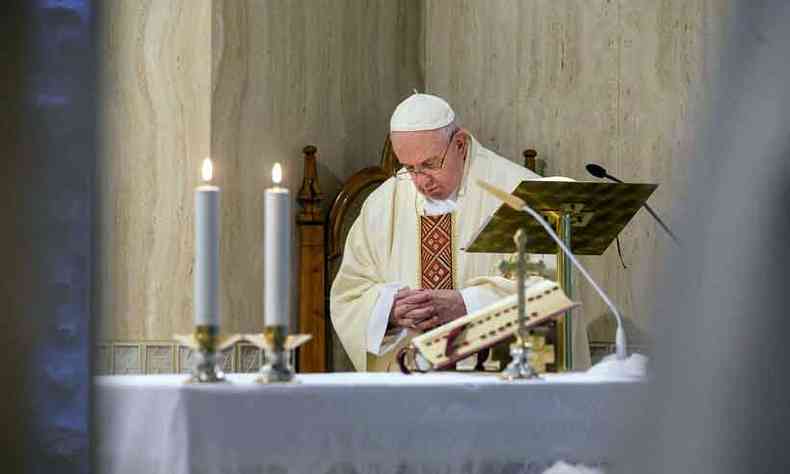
x=358 y=423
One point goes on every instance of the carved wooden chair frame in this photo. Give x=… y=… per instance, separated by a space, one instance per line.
x=317 y=257
x=349 y=192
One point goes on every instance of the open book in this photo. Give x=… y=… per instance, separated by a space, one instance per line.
x=458 y=339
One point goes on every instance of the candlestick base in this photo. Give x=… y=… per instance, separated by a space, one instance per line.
x=206 y=343
x=207 y=368
x=519 y=368
x=278 y=345
x=277 y=368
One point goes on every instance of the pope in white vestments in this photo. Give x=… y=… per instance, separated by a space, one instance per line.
x=403 y=270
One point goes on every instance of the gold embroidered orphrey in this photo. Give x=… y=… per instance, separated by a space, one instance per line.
x=436 y=252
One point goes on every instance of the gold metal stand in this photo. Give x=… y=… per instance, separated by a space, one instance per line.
x=277 y=345
x=598 y=212
x=206 y=343
x=563 y=223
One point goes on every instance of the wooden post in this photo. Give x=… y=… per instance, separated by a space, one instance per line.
x=310 y=224
x=530 y=160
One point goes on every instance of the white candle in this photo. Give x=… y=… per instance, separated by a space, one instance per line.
x=207 y=251
x=277 y=252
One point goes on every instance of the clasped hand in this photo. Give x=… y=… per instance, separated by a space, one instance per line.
x=425 y=309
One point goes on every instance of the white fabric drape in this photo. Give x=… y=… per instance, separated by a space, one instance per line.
x=360 y=423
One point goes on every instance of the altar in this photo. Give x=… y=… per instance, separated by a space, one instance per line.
x=359 y=423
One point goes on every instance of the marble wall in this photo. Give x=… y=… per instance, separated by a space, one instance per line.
x=250 y=82
x=287 y=74
x=154 y=116
x=617 y=82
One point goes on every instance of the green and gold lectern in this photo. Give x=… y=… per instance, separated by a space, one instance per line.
x=586 y=216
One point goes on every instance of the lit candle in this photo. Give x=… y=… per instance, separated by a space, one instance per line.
x=207 y=250
x=277 y=252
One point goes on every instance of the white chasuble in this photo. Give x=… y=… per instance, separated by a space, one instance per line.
x=384 y=252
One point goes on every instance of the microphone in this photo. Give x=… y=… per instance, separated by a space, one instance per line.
x=519 y=205
x=600 y=172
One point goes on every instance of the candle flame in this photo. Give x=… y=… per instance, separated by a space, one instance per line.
x=277 y=173
x=207 y=170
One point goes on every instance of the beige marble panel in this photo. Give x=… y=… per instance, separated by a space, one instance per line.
x=154 y=107
x=250 y=358
x=291 y=73
x=249 y=82
x=127 y=359
x=103 y=355
x=615 y=82
x=185 y=359
x=160 y=359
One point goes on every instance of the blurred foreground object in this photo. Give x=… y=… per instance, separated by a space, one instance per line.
x=720 y=392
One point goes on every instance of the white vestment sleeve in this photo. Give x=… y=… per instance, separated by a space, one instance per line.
x=377 y=324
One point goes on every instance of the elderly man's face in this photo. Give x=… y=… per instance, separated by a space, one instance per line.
x=437 y=162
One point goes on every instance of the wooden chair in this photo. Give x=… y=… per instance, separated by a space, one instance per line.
x=343 y=212
x=321 y=250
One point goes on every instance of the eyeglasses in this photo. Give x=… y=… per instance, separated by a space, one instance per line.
x=429 y=166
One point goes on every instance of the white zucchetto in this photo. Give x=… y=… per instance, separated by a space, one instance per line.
x=421 y=112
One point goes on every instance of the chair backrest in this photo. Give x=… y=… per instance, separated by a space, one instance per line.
x=342 y=213
x=348 y=203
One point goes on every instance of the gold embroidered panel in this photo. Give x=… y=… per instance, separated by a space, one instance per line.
x=436 y=252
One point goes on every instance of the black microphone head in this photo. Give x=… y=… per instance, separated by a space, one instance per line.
x=596 y=170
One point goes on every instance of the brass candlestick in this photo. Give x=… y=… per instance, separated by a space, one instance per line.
x=275 y=341
x=277 y=345
x=207 y=343
x=207 y=366
x=277 y=368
